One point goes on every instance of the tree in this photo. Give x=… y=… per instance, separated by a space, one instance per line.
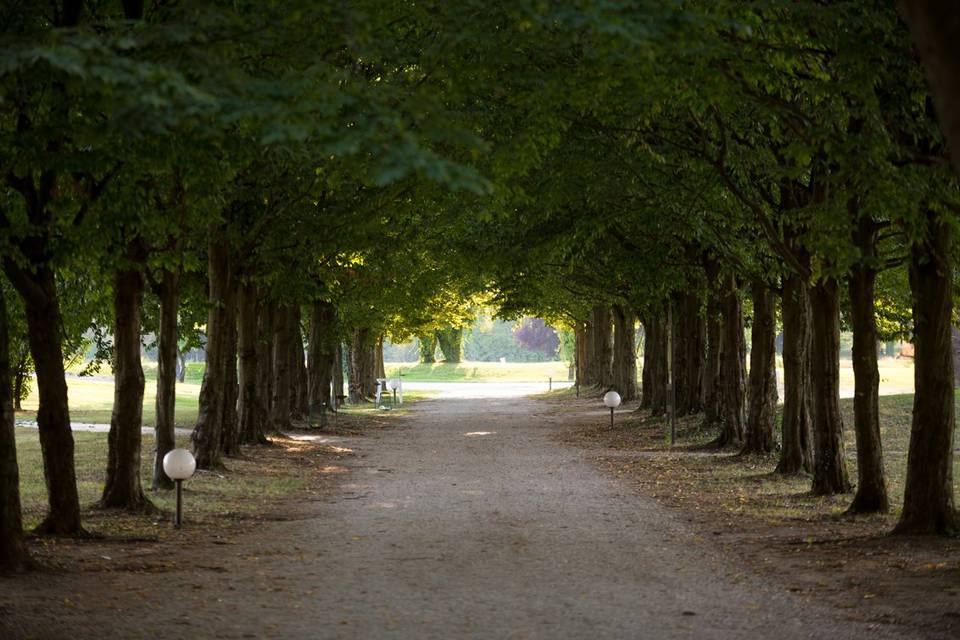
x=13 y=550
x=535 y=335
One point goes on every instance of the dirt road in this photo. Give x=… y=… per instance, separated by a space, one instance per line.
x=470 y=521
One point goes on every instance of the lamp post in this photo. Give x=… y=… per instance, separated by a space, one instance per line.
x=179 y=465
x=393 y=384
x=612 y=400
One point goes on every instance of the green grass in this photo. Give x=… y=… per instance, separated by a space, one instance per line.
x=242 y=490
x=479 y=371
x=91 y=400
x=194 y=373
x=771 y=496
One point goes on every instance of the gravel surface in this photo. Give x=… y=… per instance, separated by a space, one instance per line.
x=470 y=521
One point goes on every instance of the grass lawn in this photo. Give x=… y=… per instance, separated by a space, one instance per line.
x=91 y=400
x=209 y=495
x=249 y=485
x=478 y=371
x=747 y=484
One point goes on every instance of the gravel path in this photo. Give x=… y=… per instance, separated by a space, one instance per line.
x=470 y=521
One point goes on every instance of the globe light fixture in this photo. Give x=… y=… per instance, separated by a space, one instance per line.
x=612 y=400
x=179 y=465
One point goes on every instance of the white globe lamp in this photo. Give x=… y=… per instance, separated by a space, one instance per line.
x=179 y=465
x=611 y=399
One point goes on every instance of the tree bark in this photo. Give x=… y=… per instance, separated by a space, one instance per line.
x=928 y=502
x=935 y=28
x=229 y=418
x=428 y=348
x=796 y=452
x=732 y=416
x=265 y=373
x=123 y=489
x=829 y=467
x=21 y=372
x=361 y=367
x=579 y=350
x=602 y=347
x=624 y=353
x=337 y=373
x=370 y=367
x=355 y=365
x=323 y=351
x=282 y=373
x=712 y=385
x=688 y=353
x=655 y=359
x=250 y=412
x=168 y=290
x=871 y=496
x=299 y=404
x=207 y=435
x=762 y=395
x=378 y=356
x=39 y=292
x=14 y=555
x=646 y=373
x=450 y=341
x=588 y=356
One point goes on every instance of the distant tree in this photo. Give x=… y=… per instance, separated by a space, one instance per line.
x=535 y=335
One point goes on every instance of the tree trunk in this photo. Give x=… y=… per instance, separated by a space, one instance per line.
x=579 y=357
x=796 y=452
x=355 y=365
x=588 y=357
x=39 y=292
x=381 y=365
x=688 y=353
x=370 y=367
x=935 y=28
x=712 y=385
x=14 y=556
x=265 y=373
x=602 y=347
x=337 y=372
x=928 y=503
x=250 y=412
x=229 y=418
x=655 y=359
x=450 y=341
x=282 y=374
x=829 y=467
x=207 y=435
x=167 y=355
x=871 y=496
x=646 y=373
x=624 y=353
x=762 y=395
x=428 y=348
x=181 y=367
x=20 y=380
x=123 y=489
x=732 y=416
x=323 y=351
x=299 y=403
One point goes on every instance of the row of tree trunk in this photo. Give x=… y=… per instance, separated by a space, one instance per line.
x=706 y=353
x=273 y=386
